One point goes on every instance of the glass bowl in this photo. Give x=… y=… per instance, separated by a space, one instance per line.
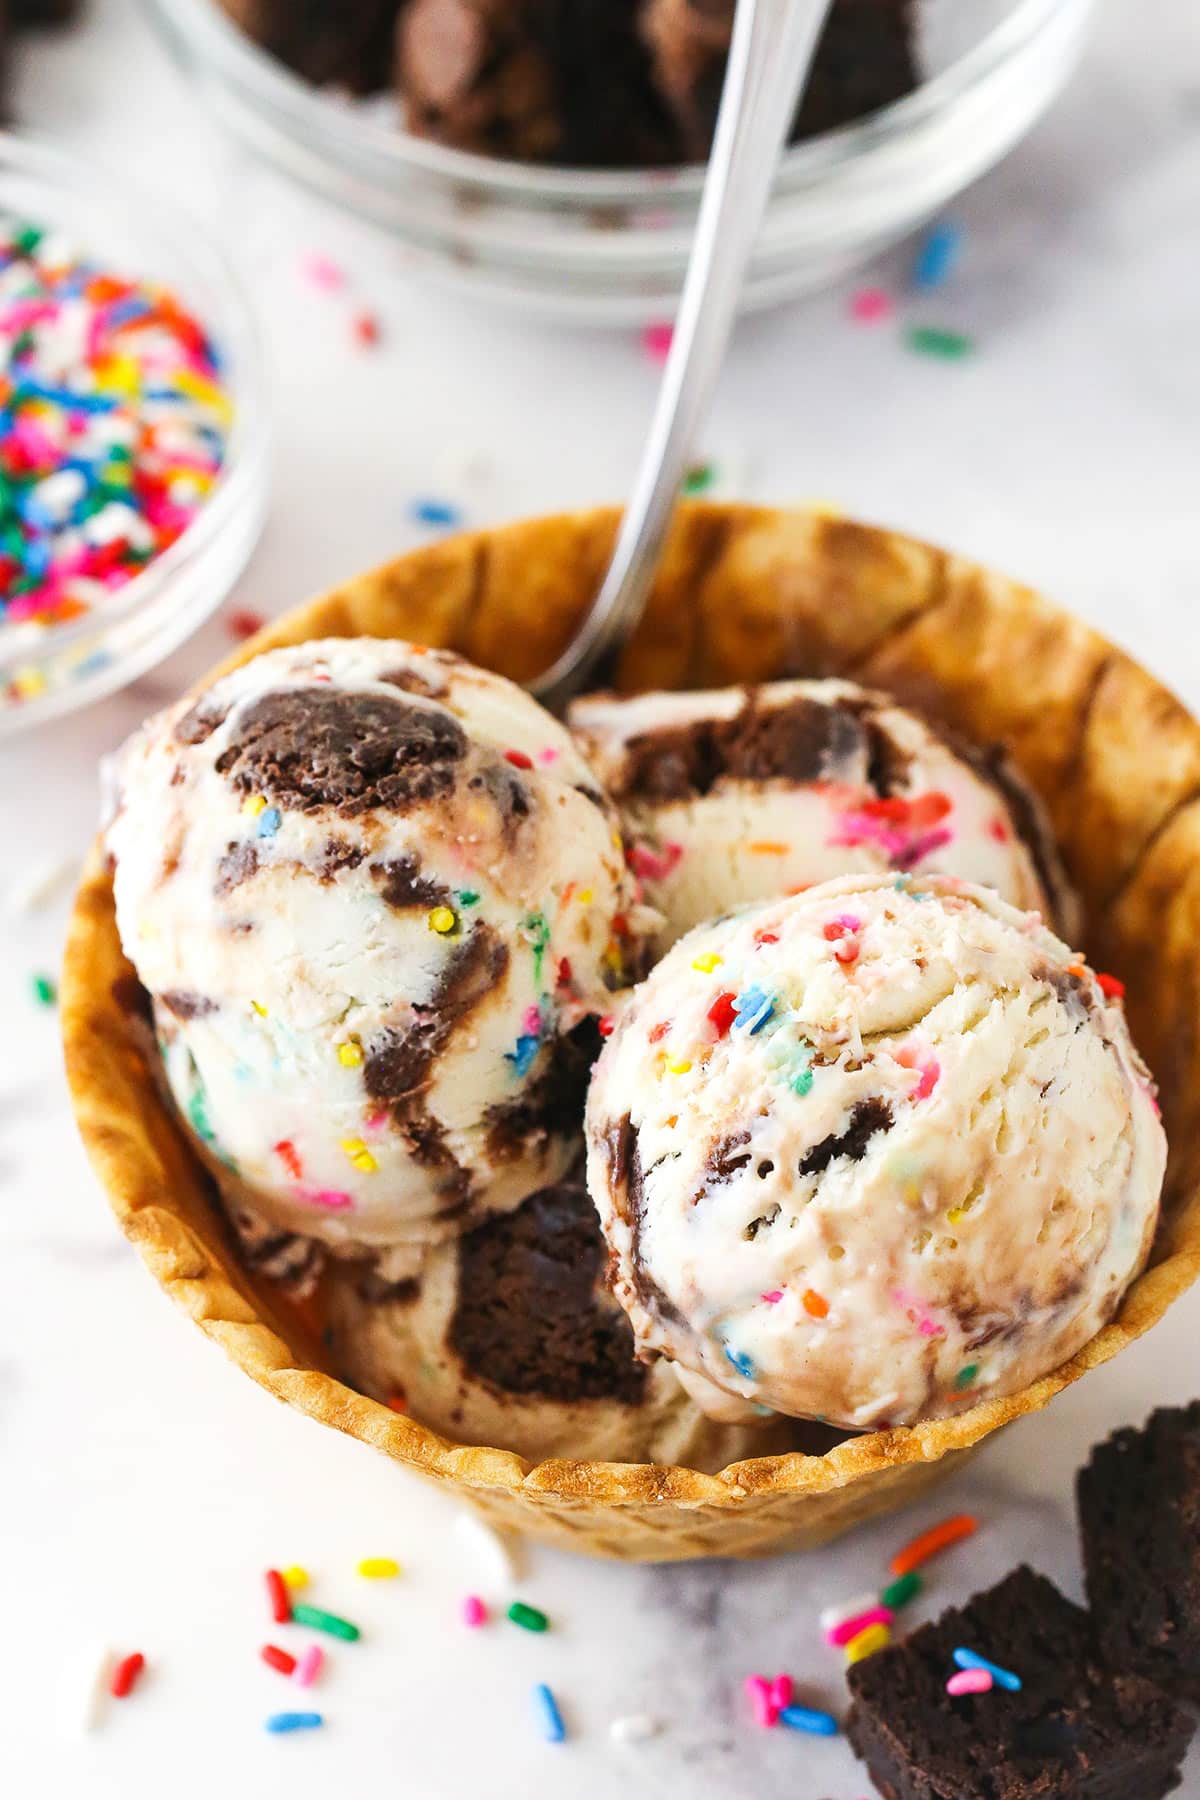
x=611 y=246
x=46 y=671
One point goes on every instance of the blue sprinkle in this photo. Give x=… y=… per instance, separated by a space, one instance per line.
x=753 y=1009
x=523 y=1055
x=436 y=512
x=970 y=1659
x=806 y=1718
x=126 y=311
x=741 y=1363
x=269 y=821
x=29 y=389
x=294 y=1721
x=553 y=1729
x=937 y=255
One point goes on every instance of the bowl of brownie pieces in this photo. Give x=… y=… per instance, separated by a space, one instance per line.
x=548 y=154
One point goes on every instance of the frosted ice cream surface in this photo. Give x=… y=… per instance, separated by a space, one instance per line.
x=372 y=891
x=740 y=794
x=873 y=1153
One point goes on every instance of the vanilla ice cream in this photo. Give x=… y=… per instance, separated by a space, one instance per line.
x=377 y=898
x=741 y=794
x=873 y=1153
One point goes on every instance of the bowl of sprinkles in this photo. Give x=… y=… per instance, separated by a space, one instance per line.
x=132 y=437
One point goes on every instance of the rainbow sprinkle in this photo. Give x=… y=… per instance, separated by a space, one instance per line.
x=970 y=1659
x=553 y=1729
x=113 y=427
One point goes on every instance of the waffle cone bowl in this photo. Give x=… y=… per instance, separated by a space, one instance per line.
x=743 y=594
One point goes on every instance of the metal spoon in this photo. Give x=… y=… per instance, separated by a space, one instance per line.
x=769 y=57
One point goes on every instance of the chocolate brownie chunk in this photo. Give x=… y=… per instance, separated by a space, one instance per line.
x=866 y=1118
x=532 y=1314
x=346 y=43
x=864 y=61
x=320 y=747
x=1139 y=1515
x=1075 y=1730
x=802 y=740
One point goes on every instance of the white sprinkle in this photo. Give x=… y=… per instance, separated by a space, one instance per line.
x=85 y=1688
x=634 y=1728
x=848 y=1609
x=494 y=1551
x=41 y=883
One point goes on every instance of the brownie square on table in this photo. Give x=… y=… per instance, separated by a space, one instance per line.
x=1139 y=1516
x=1075 y=1730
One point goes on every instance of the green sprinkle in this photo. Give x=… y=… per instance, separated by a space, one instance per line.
x=966 y=1376
x=527 y=1617
x=467 y=897
x=928 y=340
x=197 y=1112
x=317 y=1620
x=898 y=1593
x=26 y=241
x=699 y=477
x=802 y=1082
x=539 y=936
x=44 y=990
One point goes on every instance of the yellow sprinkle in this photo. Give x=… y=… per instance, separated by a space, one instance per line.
x=295 y=1577
x=29 y=682
x=708 y=962
x=616 y=841
x=585 y=896
x=350 y=1054
x=679 y=1067
x=875 y=1637
x=206 y=392
x=956 y=1215
x=260 y=1010
x=379 y=1568
x=442 y=920
x=353 y=1146
x=365 y=1163
x=254 y=804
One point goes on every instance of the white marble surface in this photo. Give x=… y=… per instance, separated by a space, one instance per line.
x=144 y=1483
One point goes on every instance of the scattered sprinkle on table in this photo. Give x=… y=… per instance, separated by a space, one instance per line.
x=442 y=514
x=365 y=329
x=699 y=478
x=846 y=1629
x=553 y=1729
x=932 y=1542
x=318 y=1620
x=931 y=340
x=867 y=1642
x=529 y=1618
x=937 y=255
x=309 y=1666
x=810 y=1719
x=657 y=340
x=125 y=1675
x=971 y=1659
x=634 y=1728
x=44 y=990
x=294 y=1721
x=474 y=1612
x=898 y=1593
x=870 y=306
x=847 y=1609
x=970 y=1681
x=275 y=1658
x=379 y=1568
x=242 y=624
x=322 y=271
x=113 y=425
x=277 y=1595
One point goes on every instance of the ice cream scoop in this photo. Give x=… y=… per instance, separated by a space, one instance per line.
x=509 y=1337
x=873 y=1153
x=377 y=899
x=741 y=794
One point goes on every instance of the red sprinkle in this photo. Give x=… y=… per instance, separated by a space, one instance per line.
x=658 y=1032
x=722 y=1013
x=243 y=624
x=366 y=328
x=766 y=937
x=998 y=830
x=125 y=1674
x=285 y=1150
x=847 y=951
x=518 y=759
x=397 y=1403
x=564 y=972
x=607 y=1025
x=275 y=1658
x=277 y=1594
x=1110 y=987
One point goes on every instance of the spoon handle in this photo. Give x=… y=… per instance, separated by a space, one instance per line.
x=769 y=57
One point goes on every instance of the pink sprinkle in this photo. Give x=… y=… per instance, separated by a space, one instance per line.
x=650 y=864
x=332 y=1200
x=919 y=848
x=870 y=306
x=474 y=1611
x=759 y=1692
x=781 y=1692
x=845 y=1629
x=323 y=272
x=846 y=951
x=309 y=1666
x=998 y=829
x=929 y=1080
x=657 y=340
x=773 y=1298
x=532 y=1022
x=970 y=1681
x=548 y=755
x=376 y=1121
